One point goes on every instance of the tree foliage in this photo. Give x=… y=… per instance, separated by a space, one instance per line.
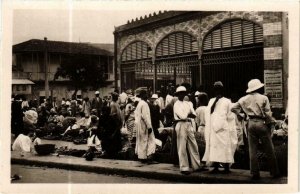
x=82 y=70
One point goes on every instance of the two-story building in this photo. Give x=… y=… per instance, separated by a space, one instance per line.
x=29 y=67
x=201 y=47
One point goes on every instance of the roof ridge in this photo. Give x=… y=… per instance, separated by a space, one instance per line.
x=61 y=46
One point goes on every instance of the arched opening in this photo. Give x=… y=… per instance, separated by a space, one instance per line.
x=176 y=59
x=233 y=54
x=136 y=66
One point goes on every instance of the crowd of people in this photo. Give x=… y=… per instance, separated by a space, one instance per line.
x=158 y=120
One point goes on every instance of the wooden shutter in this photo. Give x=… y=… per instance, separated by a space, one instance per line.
x=233 y=34
x=226 y=35
x=207 y=43
x=248 y=32
x=136 y=51
x=236 y=31
x=176 y=44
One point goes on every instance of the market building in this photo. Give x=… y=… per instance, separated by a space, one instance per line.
x=201 y=47
x=29 y=69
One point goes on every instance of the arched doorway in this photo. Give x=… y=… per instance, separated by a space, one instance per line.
x=176 y=59
x=233 y=54
x=136 y=66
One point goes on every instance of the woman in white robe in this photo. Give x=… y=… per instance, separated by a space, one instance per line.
x=145 y=140
x=220 y=131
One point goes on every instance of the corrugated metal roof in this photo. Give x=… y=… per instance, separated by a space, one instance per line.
x=22 y=82
x=36 y=45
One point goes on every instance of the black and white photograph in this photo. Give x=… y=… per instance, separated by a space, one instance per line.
x=158 y=95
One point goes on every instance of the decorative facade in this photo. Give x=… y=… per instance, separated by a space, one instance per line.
x=201 y=47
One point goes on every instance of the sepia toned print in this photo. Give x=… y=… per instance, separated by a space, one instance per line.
x=172 y=97
x=139 y=97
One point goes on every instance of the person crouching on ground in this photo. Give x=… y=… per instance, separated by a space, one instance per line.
x=93 y=143
x=145 y=140
x=257 y=108
x=186 y=142
x=217 y=131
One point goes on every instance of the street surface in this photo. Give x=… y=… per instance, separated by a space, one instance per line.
x=32 y=174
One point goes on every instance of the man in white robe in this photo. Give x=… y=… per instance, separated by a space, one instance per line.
x=145 y=140
x=186 y=142
x=220 y=133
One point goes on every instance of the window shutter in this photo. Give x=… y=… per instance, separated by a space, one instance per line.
x=226 y=35
x=232 y=34
x=137 y=50
x=248 y=32
x=172 y=44
x=179 y=43
x=207 y=43
x=236 y=32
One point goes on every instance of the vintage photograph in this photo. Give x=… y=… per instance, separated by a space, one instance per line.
x=149 y=96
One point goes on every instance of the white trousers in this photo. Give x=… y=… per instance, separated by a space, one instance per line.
x=186 y=142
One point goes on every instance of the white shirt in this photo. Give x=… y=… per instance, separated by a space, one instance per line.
x=97 y=143
x=168 y=99
x=22 y=143
x=182 y=109
x=123 y=97
x=253 y=104
x=200 y=115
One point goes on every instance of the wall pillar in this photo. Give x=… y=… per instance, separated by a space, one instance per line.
x=273 y=58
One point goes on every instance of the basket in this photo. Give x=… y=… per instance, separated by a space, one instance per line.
x=44 y=149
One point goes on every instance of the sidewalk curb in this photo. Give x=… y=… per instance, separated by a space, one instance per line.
x=160 y=175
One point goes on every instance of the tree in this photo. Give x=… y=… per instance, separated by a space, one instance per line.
x=82 y=70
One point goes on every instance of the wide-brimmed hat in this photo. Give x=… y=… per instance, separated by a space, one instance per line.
x=97 y=92
x=154 y=96
x=218 y=84
x=253 y=85
x=180 y=89
x=197 y=93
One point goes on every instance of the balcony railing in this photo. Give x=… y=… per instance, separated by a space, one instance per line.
x=20 y=75
x=37 y=76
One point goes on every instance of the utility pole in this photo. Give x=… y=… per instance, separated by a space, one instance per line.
x=116 y=62
x=155 y=78
x=46 y=68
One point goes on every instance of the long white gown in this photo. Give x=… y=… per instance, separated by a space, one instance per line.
x=145 y=143
x=220 y=132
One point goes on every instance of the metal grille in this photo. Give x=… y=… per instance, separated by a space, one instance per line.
x=233 y=34
x=233 y=54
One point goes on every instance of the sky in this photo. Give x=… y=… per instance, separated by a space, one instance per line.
x=73 y=26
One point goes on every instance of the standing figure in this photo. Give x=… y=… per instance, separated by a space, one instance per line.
x=54 y=104
x=257 y=108
x=86 y=107
x=97 y=103
x=200 y=114
x=116 y=125
x=129 y=121
x=160 y=101
x=186 y=142
x=17 y=124
x=73 y=106
x=145 y=140
x=169 y=96
x=155 y=114
x=218 y=131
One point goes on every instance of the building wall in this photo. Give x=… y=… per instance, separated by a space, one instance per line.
x=31 y=64
x=275 y=33
x=196 y=27
x=66 y=91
